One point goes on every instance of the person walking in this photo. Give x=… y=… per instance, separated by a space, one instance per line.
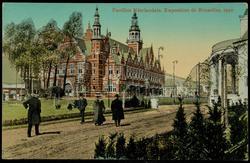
x=117 y=110
x=98 y=108
x=34 y=110
x=81 y=105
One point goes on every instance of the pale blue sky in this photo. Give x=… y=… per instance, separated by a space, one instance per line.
x=186 y=36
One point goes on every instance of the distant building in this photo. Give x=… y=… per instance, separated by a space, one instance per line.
x=105 y=65
x=180 y=86
x=13 y=86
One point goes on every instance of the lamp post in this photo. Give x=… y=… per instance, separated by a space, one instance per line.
x=174 y=86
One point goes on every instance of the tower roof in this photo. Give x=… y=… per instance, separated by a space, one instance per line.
x=134 y=23
x=96 y=12
x=97 y=16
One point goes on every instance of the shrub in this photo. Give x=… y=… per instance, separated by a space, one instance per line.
x=120 y=146
x=215 y=138
x=238 y=131
x=153 y=148
x=110 y=151
x=141 y=149
x=131 y=148
x=197 y=135
x=180 y=137
x=100 y=148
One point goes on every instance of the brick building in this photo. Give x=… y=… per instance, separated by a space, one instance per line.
x=105 y=65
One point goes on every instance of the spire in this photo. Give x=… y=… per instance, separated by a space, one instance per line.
x=97 y=16
x=97 y=25
x=96 y=11
x=134 y=23
x=151 y=49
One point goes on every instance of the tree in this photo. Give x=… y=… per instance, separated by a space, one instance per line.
x=215 y=138
x=180 y=132
x=197 y=147
x=19 y=45
x=50 y=37
x=71 y=29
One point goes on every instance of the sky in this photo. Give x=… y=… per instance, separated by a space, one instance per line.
x=187 y=31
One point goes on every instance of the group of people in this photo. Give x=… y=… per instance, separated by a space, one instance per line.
x=34 y=110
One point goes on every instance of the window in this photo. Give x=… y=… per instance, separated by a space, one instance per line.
x=117 y=72
x=71 y=68
x=64 y=67
x=79 y=65
x=110 y=70
x=93 y=87
x=93 y=71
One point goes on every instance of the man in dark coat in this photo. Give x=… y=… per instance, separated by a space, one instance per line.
x=81 y=105
x=34 y=111
x=117 y=110
x=99 y=108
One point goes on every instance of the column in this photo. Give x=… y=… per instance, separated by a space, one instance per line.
x=213 y=80
x=225 y=96
x=221 y=86
x=219 y=77
x=233 y=76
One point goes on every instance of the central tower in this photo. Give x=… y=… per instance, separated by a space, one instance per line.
x=97 y=58
x=134 y=40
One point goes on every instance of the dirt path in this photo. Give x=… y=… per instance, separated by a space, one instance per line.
x=71 y=140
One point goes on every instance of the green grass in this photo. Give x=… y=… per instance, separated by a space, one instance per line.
x=170 y=101
x=14 y=109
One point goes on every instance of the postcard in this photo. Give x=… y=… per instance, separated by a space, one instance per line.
x=125 y=81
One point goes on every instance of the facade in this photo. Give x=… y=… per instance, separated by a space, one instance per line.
x=105 y=65
x=229 y=68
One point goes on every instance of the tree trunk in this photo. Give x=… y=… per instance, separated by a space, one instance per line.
x=54 y=84
x=65 y=74
x=44 y=77
x=48 y=79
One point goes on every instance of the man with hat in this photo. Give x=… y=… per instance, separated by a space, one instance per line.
x=81 y=105
x=117 y=110
x=34 y=110
x=99 y=108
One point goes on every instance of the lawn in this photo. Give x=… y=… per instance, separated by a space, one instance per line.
x=170 y=101
x=15 y=110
